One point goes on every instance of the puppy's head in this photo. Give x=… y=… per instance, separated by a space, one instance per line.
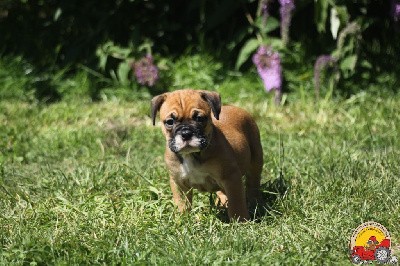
x=186 y=118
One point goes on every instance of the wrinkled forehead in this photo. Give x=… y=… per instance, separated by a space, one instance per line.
x=184 y=105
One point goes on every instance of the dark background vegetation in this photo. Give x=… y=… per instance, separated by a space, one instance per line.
x=52 y=35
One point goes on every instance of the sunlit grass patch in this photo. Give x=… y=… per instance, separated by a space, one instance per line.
x=85 y=183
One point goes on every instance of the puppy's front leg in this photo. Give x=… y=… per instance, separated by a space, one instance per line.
x=182 y=196
x=234 y=189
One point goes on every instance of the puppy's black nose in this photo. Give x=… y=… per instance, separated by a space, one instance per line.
x=186 y=134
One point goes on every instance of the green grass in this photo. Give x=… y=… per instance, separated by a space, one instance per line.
x=85 y=183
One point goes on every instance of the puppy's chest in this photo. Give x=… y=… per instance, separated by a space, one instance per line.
x=197 y=175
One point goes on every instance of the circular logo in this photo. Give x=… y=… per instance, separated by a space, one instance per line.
x=370 y=242
x=367 y=230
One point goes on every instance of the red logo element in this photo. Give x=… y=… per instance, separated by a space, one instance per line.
x=372 y=251
x=371 y=242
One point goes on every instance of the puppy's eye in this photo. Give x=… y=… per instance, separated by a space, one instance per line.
x=169 y=122
x=200 y=119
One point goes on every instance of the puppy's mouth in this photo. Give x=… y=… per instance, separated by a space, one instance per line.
x=188 y=140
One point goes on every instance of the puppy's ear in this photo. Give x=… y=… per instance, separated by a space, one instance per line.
x=214 y=100
x=156 y=103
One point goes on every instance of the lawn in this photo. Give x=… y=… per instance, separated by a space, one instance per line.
x=84 y=182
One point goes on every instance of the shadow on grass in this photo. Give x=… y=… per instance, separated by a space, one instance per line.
x=271 y=192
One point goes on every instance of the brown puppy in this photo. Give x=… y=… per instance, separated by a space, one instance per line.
x=210 y=152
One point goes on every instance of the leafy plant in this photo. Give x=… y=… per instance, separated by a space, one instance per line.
x=345 y=57
x=260 y=29
x=16 y=79
x=124 y=57
x=131 y=66
x=200 y=71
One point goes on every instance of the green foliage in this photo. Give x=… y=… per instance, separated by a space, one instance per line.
x=122 y=59
x=20 y=80
x=347 y=51
x=16 y=79
x=260 y=29
x=110 y=50
x=198 y=71
x=321 y=14
x=354 y=28
x=78 y=86
x=246 y=51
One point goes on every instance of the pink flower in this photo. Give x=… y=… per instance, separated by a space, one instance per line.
x=269 y=68
x=145 y=71
x=396 y=10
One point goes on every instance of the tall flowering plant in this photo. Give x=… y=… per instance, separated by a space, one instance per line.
x=321 y=64
x=132 y=65
x=286 y=11
x=343 y=58
x=263 y=49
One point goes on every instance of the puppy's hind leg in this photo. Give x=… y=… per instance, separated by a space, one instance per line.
x=234 y=189
x=253 y=183
x=253 y=173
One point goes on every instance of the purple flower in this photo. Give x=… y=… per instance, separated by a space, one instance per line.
x=322 y=62
x=145 y=71
x=269 y=68
x=395 y=12
x=286 y=10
